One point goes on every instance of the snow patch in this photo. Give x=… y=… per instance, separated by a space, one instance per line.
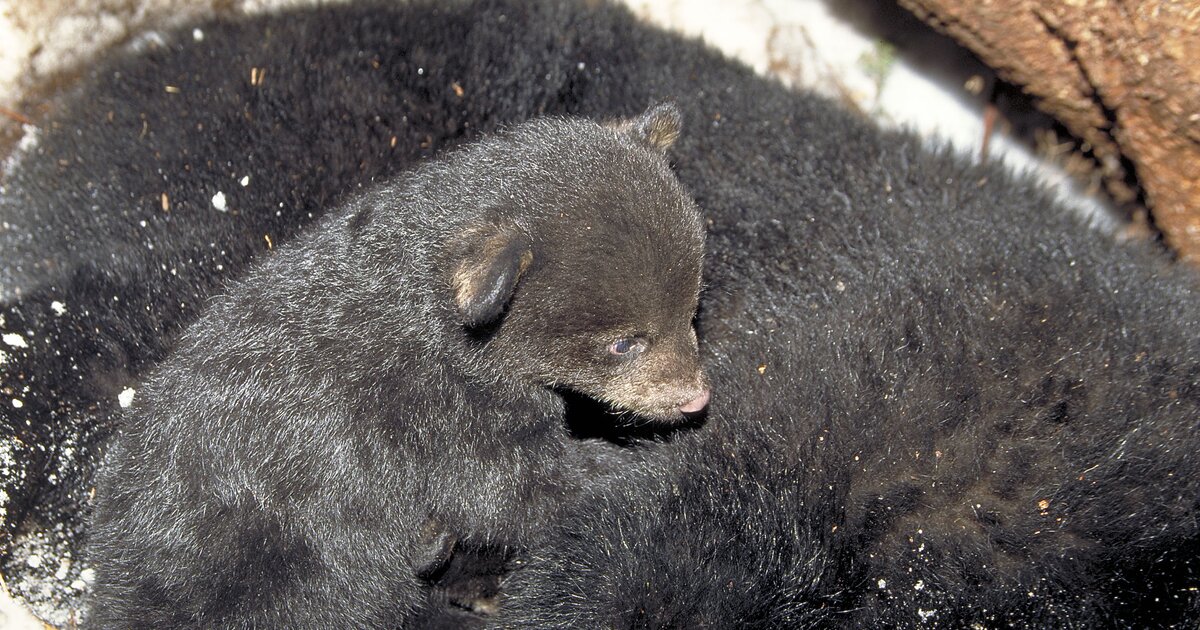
x=28 y=142
x=148 y=40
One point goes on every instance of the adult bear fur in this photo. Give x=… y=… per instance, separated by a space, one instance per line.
x=860 y=207
x=335 y=420
x=905 y=447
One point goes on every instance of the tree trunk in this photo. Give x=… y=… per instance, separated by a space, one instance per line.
x=1122 y=75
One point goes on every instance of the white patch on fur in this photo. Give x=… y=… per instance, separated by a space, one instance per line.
x=28 y=142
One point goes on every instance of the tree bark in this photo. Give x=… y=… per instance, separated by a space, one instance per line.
x=1122 y=75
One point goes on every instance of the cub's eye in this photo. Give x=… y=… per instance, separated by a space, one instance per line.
x=627 y=347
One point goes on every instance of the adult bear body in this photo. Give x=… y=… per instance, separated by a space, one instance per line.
x=828 y=214
x=949 y=431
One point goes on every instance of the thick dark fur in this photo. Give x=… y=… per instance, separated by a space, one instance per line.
x=329 y=429
x=908 y=443
x=861 y=271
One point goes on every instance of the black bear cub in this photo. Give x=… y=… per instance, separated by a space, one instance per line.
x=389 y=385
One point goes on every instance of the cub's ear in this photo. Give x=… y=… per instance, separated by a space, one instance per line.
x=491 y=259
x=657 y=128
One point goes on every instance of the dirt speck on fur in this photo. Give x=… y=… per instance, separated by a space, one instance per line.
x=51 y=581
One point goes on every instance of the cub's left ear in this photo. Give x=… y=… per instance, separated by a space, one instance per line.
x=657 y=128
x=491 y=260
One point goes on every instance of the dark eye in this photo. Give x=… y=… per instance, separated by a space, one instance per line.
x=628 y=346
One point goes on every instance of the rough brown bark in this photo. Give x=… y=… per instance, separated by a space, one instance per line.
x=1122 y=75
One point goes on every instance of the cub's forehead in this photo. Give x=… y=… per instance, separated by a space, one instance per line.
x=651 y=223
x=593 y=191
x=617 y=294
x=588 y=174
x=586 y=146
x=624 y=248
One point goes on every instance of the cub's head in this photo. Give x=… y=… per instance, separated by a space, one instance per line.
x=585 y=272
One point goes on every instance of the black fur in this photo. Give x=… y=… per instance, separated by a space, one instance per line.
x=858 y=269
x=912 y=441
x=328 y=430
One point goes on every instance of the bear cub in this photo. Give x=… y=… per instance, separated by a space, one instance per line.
x=390 y=384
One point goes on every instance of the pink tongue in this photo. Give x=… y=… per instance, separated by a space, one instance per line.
x=695 y=404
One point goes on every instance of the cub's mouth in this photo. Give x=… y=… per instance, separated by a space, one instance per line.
x=668 y=402
x=587 y=417
x=695 y=406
